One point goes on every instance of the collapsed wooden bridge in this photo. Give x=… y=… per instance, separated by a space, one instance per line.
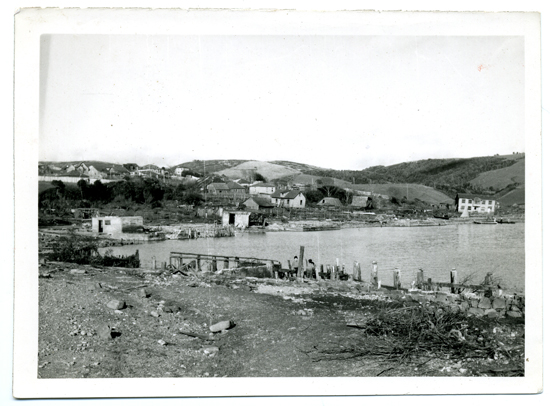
x=182 y=260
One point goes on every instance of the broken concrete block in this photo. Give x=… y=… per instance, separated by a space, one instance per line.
x=485 y=303
x=116 y=304
x=222 y=325
x=104 y=331
x=499 y=303
x=211 y=350
x=143 y=293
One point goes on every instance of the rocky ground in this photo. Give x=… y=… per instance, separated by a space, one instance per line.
x=114 y=322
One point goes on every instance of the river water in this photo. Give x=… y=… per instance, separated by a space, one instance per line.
x=470 y=248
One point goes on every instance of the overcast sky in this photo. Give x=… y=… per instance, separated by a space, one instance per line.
x=339 y=102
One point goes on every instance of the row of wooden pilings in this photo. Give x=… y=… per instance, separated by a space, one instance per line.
x=337 y=272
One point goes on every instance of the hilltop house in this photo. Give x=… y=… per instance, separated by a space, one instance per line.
x=218 y=189
x=262 y=189
x=475 y=204
x=178 y=171
x=236 y=190
x=228 y=189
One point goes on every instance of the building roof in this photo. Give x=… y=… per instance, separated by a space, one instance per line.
x=292 y=194
x=234 y=185
x=76 y=174
x=261 y=202
x=329 y=201
x=262 y=185
x=218 y=186
x=473 y=196
x=278 y=194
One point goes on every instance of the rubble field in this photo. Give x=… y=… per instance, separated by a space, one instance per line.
x=121 y=323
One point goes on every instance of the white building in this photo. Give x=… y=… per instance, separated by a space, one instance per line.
x=261 y=189
x=236 y=218
x=475 y=204
x=116 y=225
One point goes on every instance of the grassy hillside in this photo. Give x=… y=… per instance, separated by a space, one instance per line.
x=267 y=170
x=447 y=173
x=410 y=191
x=500 y=178
x=210 y=166
x=514 y=196
x=313 y=180
x=298 y=166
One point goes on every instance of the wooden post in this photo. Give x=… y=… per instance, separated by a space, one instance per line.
x=429 y=283
x=454 y=279
x=333 y=272
x=301 y=262
x=374 y=275
x=237 y=262
x=270 y=268
x=357 y=271
x=154 y=263
x=163 y=265
x=397 y=278
x=420 y=278
x=226 y=263
x=198 y=263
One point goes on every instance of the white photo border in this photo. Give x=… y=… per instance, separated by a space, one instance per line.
x=30 y=24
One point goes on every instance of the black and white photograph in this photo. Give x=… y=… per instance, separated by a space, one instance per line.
x=300 y=195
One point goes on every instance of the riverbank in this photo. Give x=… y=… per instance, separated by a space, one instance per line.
x=114 y=322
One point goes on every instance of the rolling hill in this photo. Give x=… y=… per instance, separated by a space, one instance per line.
x=410 y=191
x=267 y=170
x=514 y=196
x=210 y=166
x=500 y=178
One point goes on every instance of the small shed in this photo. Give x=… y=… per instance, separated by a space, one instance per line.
x=362 y=202
x=116 y=225
x=236 y=218
x=330 y=201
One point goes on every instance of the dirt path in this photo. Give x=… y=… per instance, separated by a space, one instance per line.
x=273 y=336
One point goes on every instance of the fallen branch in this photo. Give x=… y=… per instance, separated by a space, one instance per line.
x=201 y=336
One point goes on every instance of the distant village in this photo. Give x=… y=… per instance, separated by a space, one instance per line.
x=258 y=195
